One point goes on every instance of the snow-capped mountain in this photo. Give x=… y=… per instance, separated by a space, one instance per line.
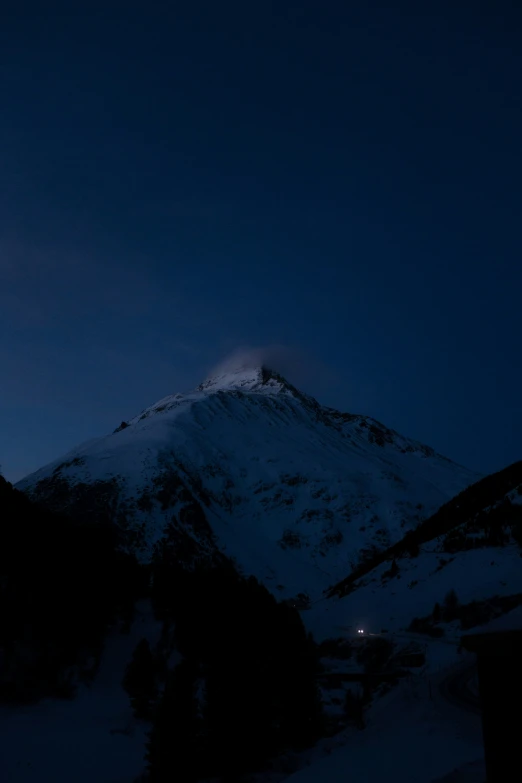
x=247 y=464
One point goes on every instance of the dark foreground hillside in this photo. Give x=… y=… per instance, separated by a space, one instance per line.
x=245 y=689
x=62 y=586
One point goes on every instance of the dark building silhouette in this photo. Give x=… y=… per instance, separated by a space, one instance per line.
x=499 y=661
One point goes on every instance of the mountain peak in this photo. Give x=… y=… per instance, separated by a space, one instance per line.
x=249 y=466
x=261 y=378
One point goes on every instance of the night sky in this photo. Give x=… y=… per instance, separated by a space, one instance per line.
x=178 y=180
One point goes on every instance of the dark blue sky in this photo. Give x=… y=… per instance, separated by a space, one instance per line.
x=180 y=179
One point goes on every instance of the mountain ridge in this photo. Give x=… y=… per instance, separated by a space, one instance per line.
x=471 y=545
x=475 y=509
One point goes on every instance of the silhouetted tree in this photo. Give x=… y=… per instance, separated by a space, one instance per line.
x=139 y=679
x=354 y=709
x=450 y=606
x=256 y=662
x=516 y=530
x=375 y=654
x=61 y=587
x=173 y=749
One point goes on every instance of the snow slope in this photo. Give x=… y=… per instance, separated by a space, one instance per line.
x=472 y=545
x=247 y=464
x=379 y=603
x=430 y=741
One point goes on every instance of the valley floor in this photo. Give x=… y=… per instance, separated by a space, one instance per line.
x=413 y=732
x=413 y=735
x=93 y=738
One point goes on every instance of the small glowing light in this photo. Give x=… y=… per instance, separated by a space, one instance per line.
x=360 y=630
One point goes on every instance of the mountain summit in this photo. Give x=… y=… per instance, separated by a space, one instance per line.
x=298 y=493
x=260 y=379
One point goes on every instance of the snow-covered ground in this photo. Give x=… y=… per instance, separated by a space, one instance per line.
x=412 y=736
x=474 y=772
x=94 y=738
x=91 y=739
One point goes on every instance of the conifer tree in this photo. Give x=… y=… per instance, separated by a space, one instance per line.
x=173 y=750
x=451 y=606
x=139 y=679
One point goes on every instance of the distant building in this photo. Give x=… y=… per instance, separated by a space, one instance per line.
x=498 y=648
